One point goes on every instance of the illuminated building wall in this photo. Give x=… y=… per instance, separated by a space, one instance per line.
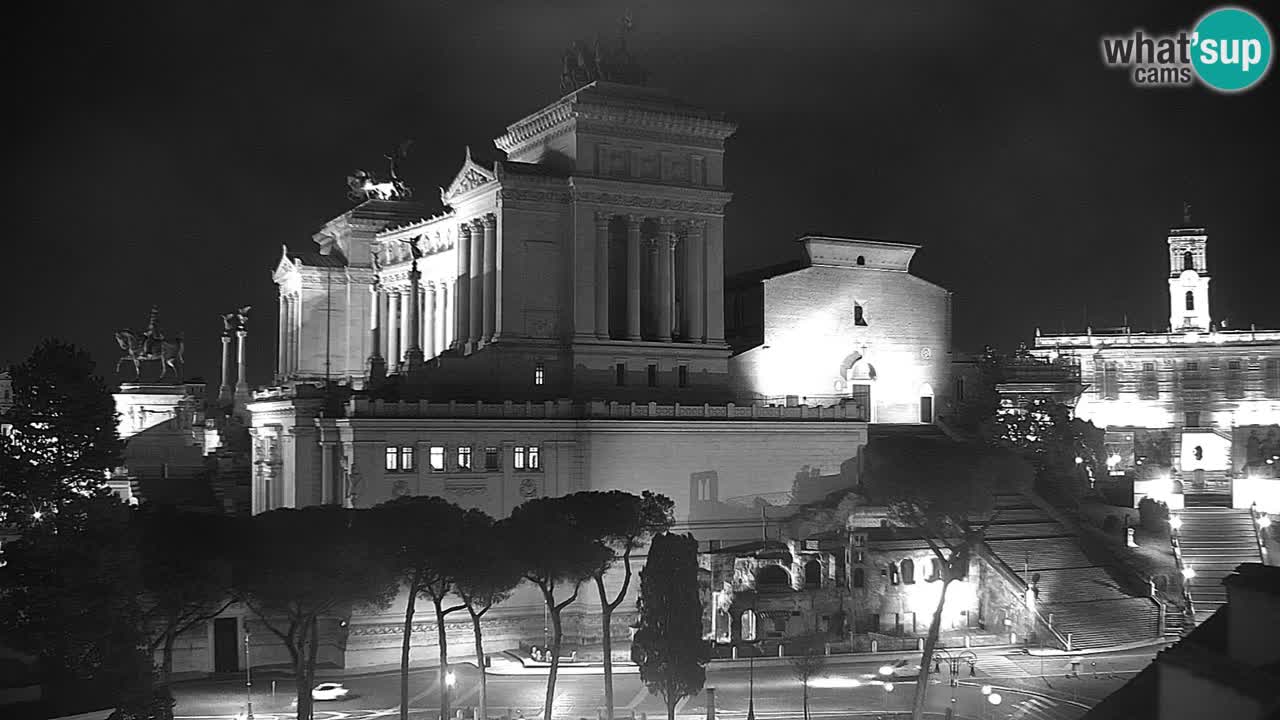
x=1198 y=385
x=849 y=324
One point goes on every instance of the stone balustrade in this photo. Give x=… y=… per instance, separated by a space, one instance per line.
x=1219 y=337
x=595 y=410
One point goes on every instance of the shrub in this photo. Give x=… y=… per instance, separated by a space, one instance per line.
x=1153 y=514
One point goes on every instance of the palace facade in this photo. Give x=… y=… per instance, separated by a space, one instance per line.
x=1192 y=413
x=560 y=325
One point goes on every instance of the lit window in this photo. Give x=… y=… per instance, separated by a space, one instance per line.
x=491 y=458
x=653 y=375
x=539 y=374
x=393 y=459
x=464 y=458
x=1193 y=366
x=682 y=376
x=406 y=459
x=908 y=571
x=893 y=574
x=526 y=458
x=1191 y=300
x=437 y=457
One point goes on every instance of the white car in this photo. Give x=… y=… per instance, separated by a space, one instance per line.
x=329 y=691
x=897 y=670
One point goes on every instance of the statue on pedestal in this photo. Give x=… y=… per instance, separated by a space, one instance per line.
x=150 y=345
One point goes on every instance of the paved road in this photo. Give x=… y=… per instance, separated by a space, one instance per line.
x=1031 y=689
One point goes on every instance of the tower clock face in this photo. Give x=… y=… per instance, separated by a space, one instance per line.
x=926 y=353
x=1189 y=277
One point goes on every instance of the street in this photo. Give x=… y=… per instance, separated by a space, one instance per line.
x=1029 y=688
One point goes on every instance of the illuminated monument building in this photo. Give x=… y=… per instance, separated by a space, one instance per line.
x=1193 y=413
x=561 y=326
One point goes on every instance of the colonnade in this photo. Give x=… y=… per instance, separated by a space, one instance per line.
x=655 y=308
x=402 y=318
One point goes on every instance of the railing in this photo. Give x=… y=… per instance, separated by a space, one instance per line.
x=1041 y=623
x=596 y=409
x=1046 y=342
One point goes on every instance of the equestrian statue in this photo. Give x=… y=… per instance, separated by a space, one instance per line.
x=151 y=345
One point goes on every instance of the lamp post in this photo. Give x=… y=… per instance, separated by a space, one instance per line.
x=248 y=679
x=450 y=679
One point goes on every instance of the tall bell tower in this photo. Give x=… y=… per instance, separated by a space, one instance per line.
x=1188 y=278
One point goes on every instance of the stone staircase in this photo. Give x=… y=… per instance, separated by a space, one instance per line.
x=1206 y=488
x=1213 y=541
x=1078 y=597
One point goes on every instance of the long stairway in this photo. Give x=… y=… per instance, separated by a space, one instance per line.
x=1084 y=600
x=1213 y=541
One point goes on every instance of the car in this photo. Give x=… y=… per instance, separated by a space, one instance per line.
x=329 y=691
x=897 y=670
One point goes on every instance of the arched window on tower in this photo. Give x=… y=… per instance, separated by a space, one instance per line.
x=908 y=572
x=1191 y=301
x=1188 y=261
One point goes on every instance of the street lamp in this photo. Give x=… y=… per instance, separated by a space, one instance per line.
x=248 y=679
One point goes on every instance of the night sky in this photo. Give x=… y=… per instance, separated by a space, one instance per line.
x=164 y=150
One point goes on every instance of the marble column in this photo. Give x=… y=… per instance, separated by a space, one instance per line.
x=653 y=291
x=476 y=286
x=413 y=323
x=666 y=277
x=393 y=329
x=281 y=351
x=375 y=349
x=602 y=275
x=329 y=494
x=224 y=390
x=633 y=277
x=462 y=295
x=377 y=366
x=490 y=223
x=429 y=313
x=444 y=326
x=403 y=324
x=294 y=328
x=242 y=384
x=694 y=284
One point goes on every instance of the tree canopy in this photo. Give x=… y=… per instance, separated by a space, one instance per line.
x=298 y=567
x=668 y=645
x=64 y=438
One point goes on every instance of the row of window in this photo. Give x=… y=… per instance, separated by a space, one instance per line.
x=901 y=573
x=1148 y=386
x=402 y=458
x=651 y=375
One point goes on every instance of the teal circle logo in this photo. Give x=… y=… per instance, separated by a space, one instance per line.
x=1231 y=49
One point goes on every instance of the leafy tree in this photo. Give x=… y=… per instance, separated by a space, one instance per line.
x=489 y=574
x=64 y=436
x=1047 y=434
x=935 y=489
x=552 y=551
x=668 y=646
x=69 y=596
x=300 y=566
x=810 y=659
x=620 y=522
x=186 y=564
x=425 y=539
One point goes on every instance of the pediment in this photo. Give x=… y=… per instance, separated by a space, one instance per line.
x=284 y=267
x=470 y=177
